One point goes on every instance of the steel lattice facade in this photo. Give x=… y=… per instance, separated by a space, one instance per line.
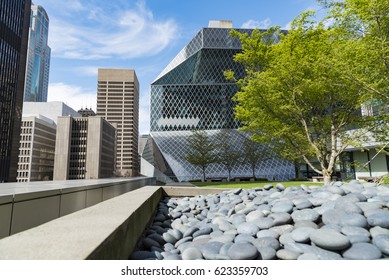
x=193 y=93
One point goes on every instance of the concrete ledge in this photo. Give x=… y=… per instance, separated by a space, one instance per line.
x=108 y=230
x=26 y=205
x=189 y=191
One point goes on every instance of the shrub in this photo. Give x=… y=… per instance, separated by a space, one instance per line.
x=261 y=179
x=195 y=181
x=299 y=179
x=384 y=180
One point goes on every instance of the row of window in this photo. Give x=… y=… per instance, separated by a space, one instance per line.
x=24 y=152
x=23 y=166
x=24 y=159
x=21 y=180
x=26 y=131
x=113 y=83
x=25 y=145
x=25 y=138
x=26 y=123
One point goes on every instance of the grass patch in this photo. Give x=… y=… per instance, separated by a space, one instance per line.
x=250 y=185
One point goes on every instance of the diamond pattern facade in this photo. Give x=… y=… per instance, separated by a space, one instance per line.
x=173 y=147
x=192 y=93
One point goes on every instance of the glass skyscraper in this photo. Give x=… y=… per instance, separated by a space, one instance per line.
x=38 y=56
x=192 y=93
x=14 y=23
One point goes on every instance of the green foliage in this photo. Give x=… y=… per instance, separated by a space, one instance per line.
x=384 y=180
x=367 y=22
x=201 y=150
x=260 y=179
x=366 y=57
x=296 y=97
x=298 y=179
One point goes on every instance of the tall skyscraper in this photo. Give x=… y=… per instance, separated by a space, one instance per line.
x=193 y=93
x=14 y=23
x=118 y=103
x=38 y=57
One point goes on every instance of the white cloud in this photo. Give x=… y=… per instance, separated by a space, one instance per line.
x=75 y=97
x=73 y=5
x=88 y=70
x=288 y=26
x=118 y=33
x=251 y=24
x=144 y=113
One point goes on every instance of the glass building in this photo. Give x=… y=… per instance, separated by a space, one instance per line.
x=193 y=93
x=14 y=23
x=38 y=56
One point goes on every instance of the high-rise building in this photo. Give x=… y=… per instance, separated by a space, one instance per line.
x=37 y=139
x=118 y=103
x=37 y=148
x=193 y=93
x=14 y=23
x=38 y=57
x=85 y=148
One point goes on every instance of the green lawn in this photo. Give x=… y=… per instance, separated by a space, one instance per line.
x=250 y=185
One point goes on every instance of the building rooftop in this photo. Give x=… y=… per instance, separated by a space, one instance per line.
x=220 y=24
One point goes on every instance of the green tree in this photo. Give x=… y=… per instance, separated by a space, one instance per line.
x=227 y=153
x=201 y=150
x=366 y=57
x=254 y=153
x=294 y=97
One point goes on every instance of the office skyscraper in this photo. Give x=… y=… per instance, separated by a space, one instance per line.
x=118 y=103
x=38 y=57
x=14 y=23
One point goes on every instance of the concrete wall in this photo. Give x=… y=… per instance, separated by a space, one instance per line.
x=30 y=205
x=93 y=149
x=108 y=230
x=147 y=169
x=62 y=144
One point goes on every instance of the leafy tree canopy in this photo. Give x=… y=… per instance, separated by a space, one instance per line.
x=295 y=95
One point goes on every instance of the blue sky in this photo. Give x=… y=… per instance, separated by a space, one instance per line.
x=144 y=35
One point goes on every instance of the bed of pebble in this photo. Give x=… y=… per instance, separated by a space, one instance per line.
x=338 y=221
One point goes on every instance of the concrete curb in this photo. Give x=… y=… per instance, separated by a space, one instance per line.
x=109 y=230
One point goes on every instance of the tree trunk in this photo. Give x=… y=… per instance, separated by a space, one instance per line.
x=327 y=176
x=203 y=173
